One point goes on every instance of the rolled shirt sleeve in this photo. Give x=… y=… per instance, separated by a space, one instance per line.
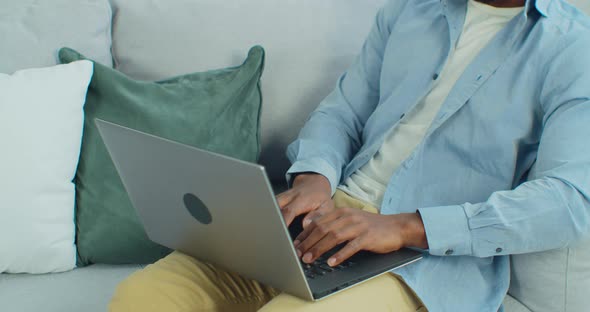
x=316 y=165
x=332 y=133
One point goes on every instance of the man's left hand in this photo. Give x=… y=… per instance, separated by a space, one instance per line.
x=362 y=230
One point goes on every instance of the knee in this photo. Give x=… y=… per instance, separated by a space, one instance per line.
x=158 y=288
x=137 y=293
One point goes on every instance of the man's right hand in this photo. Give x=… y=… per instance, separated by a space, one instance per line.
x=311 y=194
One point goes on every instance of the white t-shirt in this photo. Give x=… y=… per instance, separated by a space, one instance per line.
x=482 y=23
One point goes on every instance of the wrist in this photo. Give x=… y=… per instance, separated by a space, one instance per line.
x=319 y=180
x=413 y=232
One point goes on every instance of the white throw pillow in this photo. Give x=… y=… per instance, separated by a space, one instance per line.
x=41 y=118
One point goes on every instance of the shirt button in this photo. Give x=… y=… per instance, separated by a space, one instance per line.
x=449 y=252
x=499 y=250
x=435 y=76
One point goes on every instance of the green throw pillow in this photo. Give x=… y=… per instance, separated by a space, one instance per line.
x=216 y=110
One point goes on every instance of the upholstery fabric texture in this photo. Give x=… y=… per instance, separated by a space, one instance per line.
x=216 y=110
x=87 y=289
x=555 y=280
x=32 y=31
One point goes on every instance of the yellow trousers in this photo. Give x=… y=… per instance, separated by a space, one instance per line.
x=179 y=283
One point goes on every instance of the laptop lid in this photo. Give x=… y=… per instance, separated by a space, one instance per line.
x=214 y=208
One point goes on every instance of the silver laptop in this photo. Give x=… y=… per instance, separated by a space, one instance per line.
x=223 y=211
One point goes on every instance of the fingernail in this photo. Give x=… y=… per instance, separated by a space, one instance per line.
x=307 y=258
x=331 y=261
x=306 y=222
x=296 y=242
x=298 y=253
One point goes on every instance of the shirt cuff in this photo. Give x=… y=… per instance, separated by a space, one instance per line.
x=316 y=165
x=447 y=230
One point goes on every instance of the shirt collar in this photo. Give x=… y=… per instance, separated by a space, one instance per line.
x=540 y=5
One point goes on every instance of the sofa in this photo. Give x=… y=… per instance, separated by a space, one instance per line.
x=308 y=44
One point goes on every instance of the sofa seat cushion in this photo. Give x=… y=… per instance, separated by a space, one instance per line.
x=513 y=305
x=86 y=289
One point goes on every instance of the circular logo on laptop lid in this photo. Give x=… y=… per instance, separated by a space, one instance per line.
x=197 y=208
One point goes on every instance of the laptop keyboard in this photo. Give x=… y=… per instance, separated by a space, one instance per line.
x=320 y=268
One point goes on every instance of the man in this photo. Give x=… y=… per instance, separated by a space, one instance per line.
x=464 y=124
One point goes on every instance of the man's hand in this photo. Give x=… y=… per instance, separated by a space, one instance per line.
x=310 y=192
x=362 y=230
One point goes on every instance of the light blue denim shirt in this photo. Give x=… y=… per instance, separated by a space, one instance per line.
x=505 y=166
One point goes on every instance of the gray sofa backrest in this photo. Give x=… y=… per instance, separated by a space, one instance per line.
x=583 y=5
x=309 y=43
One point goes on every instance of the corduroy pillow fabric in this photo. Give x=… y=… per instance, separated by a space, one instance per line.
x=215 y=110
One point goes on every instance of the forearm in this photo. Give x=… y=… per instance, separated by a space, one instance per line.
x=411 y=229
